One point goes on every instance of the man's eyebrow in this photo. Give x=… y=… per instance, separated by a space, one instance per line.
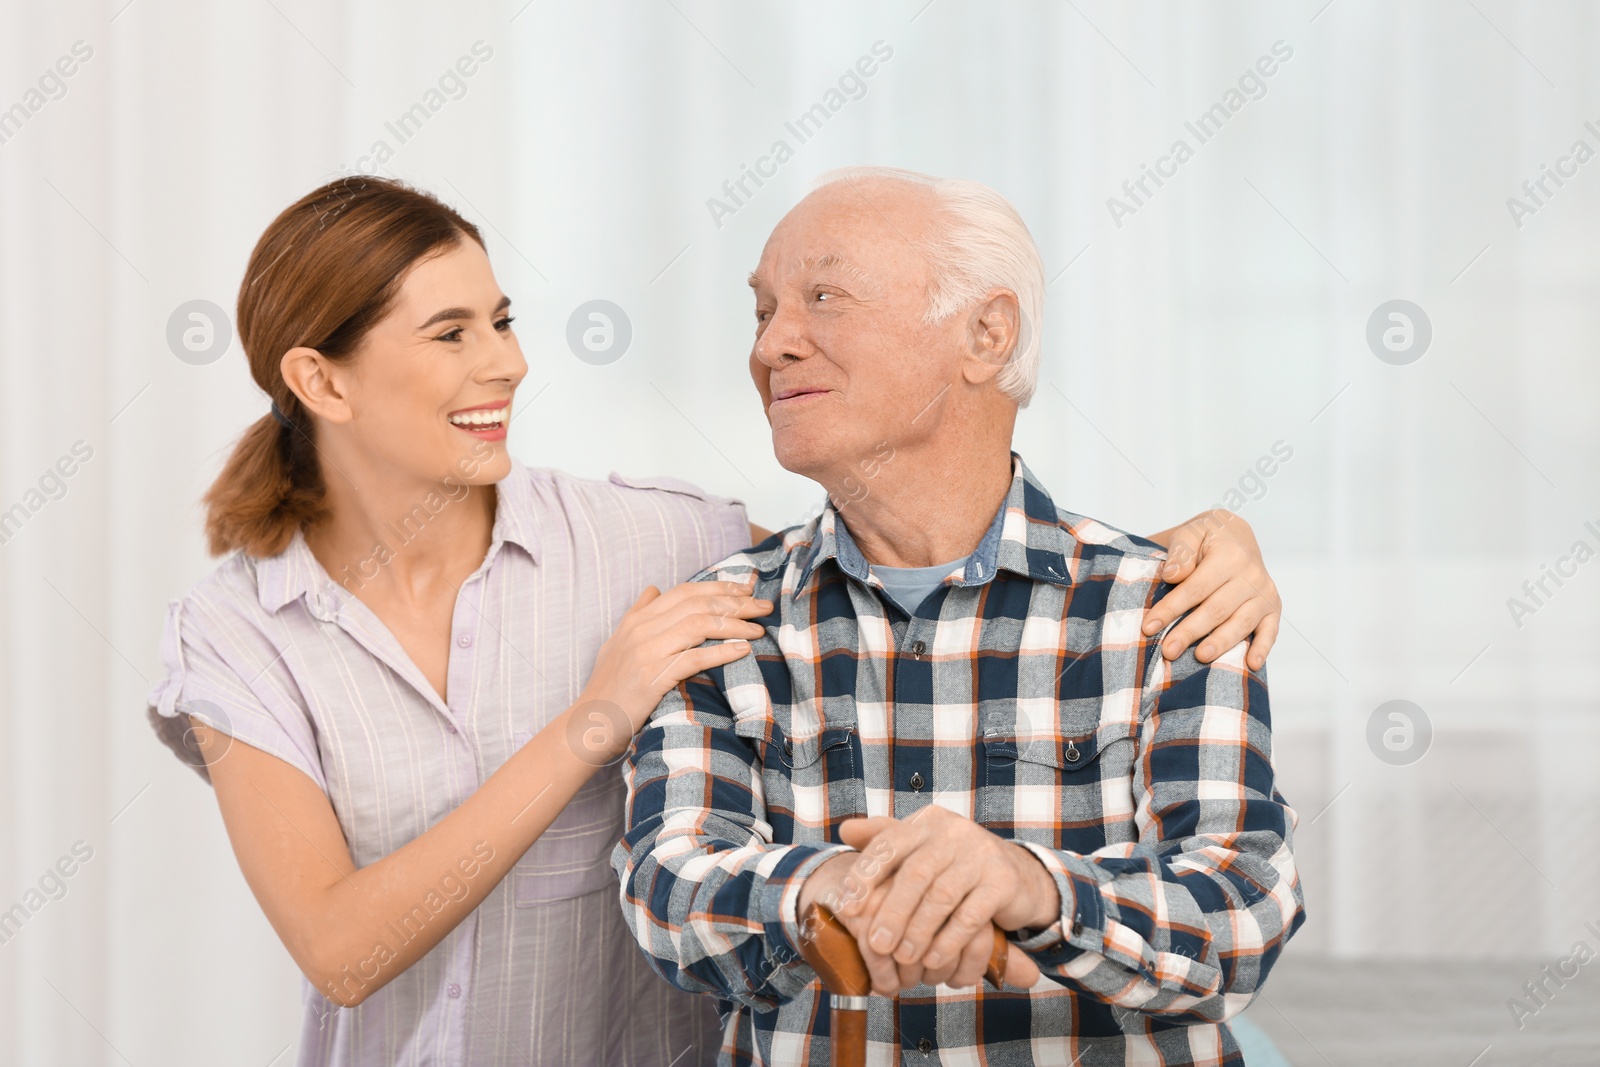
x=827 y=261
x=831 y=261
x=462 y=313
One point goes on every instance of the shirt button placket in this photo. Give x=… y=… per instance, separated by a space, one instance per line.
x=460 y=667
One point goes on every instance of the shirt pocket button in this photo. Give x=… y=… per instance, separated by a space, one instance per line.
x=916 y=781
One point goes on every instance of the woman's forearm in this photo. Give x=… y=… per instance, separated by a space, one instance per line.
x=477 y=844
x=340 y=923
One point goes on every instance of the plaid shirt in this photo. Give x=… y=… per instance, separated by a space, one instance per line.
x=1022 y=695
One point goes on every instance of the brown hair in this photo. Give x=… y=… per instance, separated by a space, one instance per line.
x=321 y=276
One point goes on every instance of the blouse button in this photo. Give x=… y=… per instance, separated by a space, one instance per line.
x=465 y=640
x=454 y=990
x=916 y=781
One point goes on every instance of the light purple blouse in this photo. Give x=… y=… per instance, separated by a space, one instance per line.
x=276 y=654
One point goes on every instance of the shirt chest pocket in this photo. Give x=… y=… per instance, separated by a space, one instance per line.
x=812 y=783
x=1064 y=792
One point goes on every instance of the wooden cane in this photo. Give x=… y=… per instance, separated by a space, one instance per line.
x=832 y=952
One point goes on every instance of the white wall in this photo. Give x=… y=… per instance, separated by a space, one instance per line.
x=1226 y=314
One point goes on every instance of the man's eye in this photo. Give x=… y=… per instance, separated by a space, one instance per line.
x=819 y=295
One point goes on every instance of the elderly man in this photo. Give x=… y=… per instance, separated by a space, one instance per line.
x=956 y=716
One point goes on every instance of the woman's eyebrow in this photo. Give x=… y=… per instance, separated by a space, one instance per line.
x=462 y=313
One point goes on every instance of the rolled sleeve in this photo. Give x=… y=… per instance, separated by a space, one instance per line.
x=708 y=894
x=1187 y=921
x=207 y=662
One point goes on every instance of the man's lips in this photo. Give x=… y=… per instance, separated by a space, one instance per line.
x=781 y=395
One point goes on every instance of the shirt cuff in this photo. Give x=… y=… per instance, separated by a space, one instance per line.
x=786 y=948
x=1079 y=927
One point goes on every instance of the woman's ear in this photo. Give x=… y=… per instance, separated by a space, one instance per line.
x=309 y=375
x=994 y=334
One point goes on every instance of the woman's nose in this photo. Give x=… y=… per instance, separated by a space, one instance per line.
x=506 y=362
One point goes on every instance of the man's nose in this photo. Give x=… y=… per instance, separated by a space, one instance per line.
x=784 y=340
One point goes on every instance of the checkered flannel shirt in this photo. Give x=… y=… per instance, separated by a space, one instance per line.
x=1022 y=695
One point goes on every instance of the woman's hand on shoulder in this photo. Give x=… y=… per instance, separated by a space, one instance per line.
x=1217 y=569
x=659 y=642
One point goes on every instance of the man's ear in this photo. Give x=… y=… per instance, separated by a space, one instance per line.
x=309 y=375
x=994 y=334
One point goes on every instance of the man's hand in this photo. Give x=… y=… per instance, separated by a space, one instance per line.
x=1214 y=561
x=836 y=885
x=922 y=892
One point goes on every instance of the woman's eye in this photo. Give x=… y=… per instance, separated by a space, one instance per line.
x=505 y=323
x=450 y=335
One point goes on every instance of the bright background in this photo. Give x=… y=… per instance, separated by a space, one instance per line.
x=1228 y=313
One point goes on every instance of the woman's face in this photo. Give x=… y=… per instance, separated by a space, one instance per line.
x=430 y=388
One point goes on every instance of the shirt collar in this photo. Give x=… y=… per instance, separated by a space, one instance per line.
x=290 y=574
x=1026 y=537
x=514 y=512
x=294 y=572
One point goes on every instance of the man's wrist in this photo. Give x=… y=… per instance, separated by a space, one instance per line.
x=823 y=884
x=1040 y=892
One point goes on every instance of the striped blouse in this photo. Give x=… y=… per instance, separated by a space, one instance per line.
x=277 y=654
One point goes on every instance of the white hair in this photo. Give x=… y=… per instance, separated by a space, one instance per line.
x=979 y=244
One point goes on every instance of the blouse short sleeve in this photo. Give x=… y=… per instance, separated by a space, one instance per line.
x=208 y=662
x=721 y=522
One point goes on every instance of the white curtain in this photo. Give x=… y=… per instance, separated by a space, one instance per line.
x=1192 y=329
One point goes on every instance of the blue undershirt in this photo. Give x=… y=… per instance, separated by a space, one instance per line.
x=910 y=586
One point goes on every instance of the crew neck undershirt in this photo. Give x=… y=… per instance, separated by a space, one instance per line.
x=910 y=586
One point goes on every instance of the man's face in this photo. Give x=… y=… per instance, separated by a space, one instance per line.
x=843 y=358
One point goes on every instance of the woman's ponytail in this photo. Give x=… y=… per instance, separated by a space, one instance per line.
x=321 y=276
x=255 y=504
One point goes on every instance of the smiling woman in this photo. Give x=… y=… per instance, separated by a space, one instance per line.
x=387 y=749
x=273 y=485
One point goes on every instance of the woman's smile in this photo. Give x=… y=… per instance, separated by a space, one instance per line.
x=486 y=421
